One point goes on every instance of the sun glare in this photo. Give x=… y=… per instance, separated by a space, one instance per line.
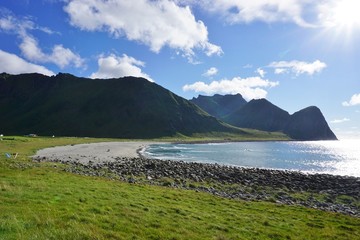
x=345 y=14
x=340 y=20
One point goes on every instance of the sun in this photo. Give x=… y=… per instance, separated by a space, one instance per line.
x=343 y=14
x=347 y=13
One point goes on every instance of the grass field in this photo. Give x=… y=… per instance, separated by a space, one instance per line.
x=41 y=201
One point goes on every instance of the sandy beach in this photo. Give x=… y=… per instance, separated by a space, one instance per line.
x=95 y=152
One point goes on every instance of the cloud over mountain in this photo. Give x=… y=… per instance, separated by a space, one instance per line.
x=29 y=45
x=60 y=56
x=13 y=64
x=249 y=88
x=113 y=66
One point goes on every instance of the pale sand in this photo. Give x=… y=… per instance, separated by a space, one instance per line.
x=95 y=152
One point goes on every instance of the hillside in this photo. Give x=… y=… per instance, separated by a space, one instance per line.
x=129 y=107
x=259 y=114
x=219 y=106
x=307 y=124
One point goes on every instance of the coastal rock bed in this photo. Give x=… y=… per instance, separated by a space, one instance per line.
x=320 y=191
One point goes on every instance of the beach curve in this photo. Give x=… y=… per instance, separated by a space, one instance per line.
x=94 y=152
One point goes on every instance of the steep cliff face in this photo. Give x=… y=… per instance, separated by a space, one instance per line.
x=309 y=124
x=218 y=105
x=127 y=107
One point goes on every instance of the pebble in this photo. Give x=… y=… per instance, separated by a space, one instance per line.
x=280 y=182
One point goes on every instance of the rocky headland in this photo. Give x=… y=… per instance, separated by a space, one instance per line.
x=306 y=124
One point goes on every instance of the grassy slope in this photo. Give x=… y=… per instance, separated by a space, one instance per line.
x=250 y=135
x=39 y=201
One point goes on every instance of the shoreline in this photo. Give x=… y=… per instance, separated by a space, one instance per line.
x=143 y=156
x=319 y=191
x=94 y=152
x=233 y=141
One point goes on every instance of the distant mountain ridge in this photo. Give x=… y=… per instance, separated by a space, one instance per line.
x=129 y=107
x=306 y=124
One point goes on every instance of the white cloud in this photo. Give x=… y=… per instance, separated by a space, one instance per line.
x=63 y=57
x=10 y=63
x=338 y=13
x=60 y=56
x=155 y=23
x=355 y=100
x=6 y=24
x=10 y=23
x=249 y=88
x=113 y=66
x=211 y=72
x=17 y=25
x=280 y=70
x=340 y=120
x=298 y=67
x=269 y=11
x=30 y=49
x=304 y=13
x=261 y=72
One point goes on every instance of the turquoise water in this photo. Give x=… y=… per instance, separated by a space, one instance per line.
x=332 y=157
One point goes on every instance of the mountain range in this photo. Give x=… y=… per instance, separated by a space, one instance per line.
x=130 y=107
x=306 y=124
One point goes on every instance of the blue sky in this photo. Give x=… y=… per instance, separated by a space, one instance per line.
x=295 y=53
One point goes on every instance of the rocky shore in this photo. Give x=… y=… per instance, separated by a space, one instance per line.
x=320 y=191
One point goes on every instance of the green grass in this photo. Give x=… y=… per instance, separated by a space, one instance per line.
x=41 y=201
x=251 y=135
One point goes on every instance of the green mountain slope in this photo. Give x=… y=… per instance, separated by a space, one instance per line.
x=218 y=105
x=128 y=107
x=259 y=114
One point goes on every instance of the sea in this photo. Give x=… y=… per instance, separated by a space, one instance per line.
x=329 y=157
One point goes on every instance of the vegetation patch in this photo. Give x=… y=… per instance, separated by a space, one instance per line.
x=42 y=201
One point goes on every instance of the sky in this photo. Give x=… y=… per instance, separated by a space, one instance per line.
x=295 y=53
